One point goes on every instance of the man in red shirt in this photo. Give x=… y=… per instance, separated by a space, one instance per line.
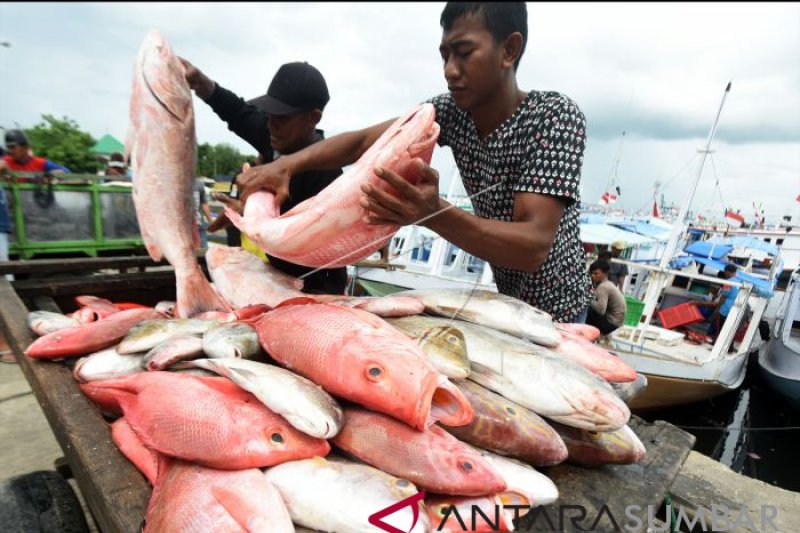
x=20 y=158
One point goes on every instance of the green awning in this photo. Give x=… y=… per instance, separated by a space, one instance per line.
x=107 y=145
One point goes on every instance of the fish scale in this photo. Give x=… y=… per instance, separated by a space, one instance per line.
x=360 y=357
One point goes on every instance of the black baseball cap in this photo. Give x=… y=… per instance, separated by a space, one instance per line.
x=15 y=138
x=296 y=87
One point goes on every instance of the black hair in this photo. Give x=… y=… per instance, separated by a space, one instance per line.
x=600 y=264
x=500 y=18
x=605 y=255
x=730 y=268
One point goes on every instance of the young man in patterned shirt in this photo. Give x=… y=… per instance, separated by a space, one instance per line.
x=519 y=155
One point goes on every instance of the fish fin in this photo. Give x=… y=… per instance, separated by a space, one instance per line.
x=248 y=516
x=129 y=443
x=485 y=375
x=298 y=300
x=195 y=295
x=236 y=219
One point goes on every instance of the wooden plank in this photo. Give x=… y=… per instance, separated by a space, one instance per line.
x=118 y=283
x=614 y=487
x=114 y=489
x=39 y=266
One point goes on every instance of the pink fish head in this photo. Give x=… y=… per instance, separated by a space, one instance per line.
x=360 y=357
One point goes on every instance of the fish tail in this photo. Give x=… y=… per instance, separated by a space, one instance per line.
x=195 y=295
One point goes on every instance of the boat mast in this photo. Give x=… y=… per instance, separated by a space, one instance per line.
x=659 y=279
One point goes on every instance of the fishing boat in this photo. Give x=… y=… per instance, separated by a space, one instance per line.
x=779 y=358
x=686 y=365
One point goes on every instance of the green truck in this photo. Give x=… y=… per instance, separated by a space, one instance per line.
x=71 y=215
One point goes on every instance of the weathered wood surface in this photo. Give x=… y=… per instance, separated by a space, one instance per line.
x=614 y=487
x=115 y=491
x=123 y=286
x=83 y=264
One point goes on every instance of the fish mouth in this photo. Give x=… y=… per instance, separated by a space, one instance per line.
x=448 y=405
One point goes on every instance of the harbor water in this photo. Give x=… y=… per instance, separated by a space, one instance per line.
x=752 y=430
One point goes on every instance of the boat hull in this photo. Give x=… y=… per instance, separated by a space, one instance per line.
x=780 y=368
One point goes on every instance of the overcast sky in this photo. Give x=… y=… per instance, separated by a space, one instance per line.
x=655 y=71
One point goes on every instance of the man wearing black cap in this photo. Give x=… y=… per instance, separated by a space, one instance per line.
x=20 y=158
x=283 y=121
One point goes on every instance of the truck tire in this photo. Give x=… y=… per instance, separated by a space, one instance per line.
x=40 y=502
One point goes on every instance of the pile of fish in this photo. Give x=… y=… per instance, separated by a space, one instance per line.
x=251 y=406
x=316 y=411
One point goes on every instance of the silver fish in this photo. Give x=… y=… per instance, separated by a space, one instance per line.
x=151 y=333
x=490 y=309
x=178 y=348
x=444 y=346
x=540 y=380
x=304 y=404
x=44 y=322
x=231 y=340
x=106 y=364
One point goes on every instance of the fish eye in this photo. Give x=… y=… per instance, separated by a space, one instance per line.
x=452 y=339
x=402 y=483
x=442 y=510
x=511 y=410
x=277 y=437
x=466 y=465
x=375 y=372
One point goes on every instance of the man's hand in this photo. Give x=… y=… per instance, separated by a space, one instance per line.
x=222 y=221
x=273 y=177
x=410 y=205
x=201 y=84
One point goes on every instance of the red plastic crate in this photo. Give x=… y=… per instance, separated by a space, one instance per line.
x=679 y=315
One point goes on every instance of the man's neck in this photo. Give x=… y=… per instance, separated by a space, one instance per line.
x=491 y=115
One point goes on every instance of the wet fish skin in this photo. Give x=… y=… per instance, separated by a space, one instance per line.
x=594 y=358
x=590 y=448
x=161 y=147
x=542 y=381
x=151 y=333
x=106 y=364
x=44 y=322
x=588 y=332
x=304 y=404
x=89 y=338
x=444 y=345
x=508 y=428
x=490 y=309
x=338 y=495
x=383 y=306
x=432 y=459
x=243 y=279
x=178 y=348
x=630 y=390
x=329 y=229
x=359 y=357
x=190 y=498
x=523 y=482
x=231 y=340
x=204 y=421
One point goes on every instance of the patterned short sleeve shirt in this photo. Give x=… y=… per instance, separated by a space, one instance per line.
x=539 y=149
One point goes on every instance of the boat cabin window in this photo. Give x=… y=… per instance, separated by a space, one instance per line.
x=779 y=242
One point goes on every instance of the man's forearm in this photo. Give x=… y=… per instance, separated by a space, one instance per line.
x=515 y=245
x=337 y=151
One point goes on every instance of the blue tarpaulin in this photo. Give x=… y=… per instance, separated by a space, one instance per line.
x=762 y=287
x=708 y=249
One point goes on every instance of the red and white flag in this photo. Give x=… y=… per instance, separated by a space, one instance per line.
x=608 y=198
x=734 y=219
x=656 y=211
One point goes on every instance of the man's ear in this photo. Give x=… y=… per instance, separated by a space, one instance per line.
x=315 y=116
x=512 y=48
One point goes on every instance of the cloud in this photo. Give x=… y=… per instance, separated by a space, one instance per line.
x=654 y=70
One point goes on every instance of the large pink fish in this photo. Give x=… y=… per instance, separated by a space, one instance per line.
x=90 y=337
x=328 y=230
x=432 y=459
x=189 y=498
x=358 y=356
x=184 y=417
x=161 y=147
x=594 y=358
